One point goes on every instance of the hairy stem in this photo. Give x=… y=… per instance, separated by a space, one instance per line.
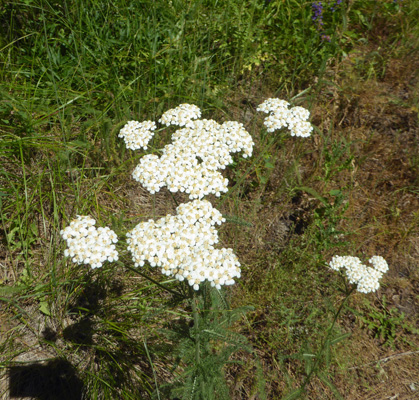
x=196 y=326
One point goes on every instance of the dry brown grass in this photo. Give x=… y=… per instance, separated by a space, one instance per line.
x=379 y=115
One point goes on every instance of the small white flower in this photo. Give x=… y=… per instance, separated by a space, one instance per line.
x=137 y=134
x=182 y=245
x=280 y=116
x=88 y=245
x=366 y=278
x=181 y=115
x=191 y=162
x=379 y=264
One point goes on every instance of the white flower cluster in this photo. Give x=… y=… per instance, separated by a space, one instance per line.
x=366 y=278
x=137 y=134
x=182 y=115
x=88 y=245
x=190 y=163
x=379 y=264
x=183 y=246
x=280 y=116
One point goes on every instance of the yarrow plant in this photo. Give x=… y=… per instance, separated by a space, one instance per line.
x=88 y=245
x=191 y=162
x=183 y=246
x=367 y=279
x=137 y=134
x=182 y=115
x=280 y=116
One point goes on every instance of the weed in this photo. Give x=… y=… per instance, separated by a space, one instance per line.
x=386 y=324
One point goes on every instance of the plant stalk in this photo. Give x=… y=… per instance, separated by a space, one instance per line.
x=318 y=358
x=196 y=326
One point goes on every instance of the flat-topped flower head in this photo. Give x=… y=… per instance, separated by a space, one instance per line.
x=182 y=246
x=137 y=134
x=379 y=264
x=199 y=149
x=88 y=245
x=182 y=115
x=280 y=116
x=366 y=278
x=273 y=105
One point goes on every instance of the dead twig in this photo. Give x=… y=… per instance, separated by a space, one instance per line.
x=407 y=353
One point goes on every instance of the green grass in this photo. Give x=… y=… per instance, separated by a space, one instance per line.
x=72 y=73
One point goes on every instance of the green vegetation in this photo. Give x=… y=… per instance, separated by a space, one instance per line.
x=73 y=72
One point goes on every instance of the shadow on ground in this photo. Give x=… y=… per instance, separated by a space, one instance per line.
x=54 y=380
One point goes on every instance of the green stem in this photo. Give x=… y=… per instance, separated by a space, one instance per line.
x=196 y=327
x=155 y=282
x=174 y=199
x=324 y=344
